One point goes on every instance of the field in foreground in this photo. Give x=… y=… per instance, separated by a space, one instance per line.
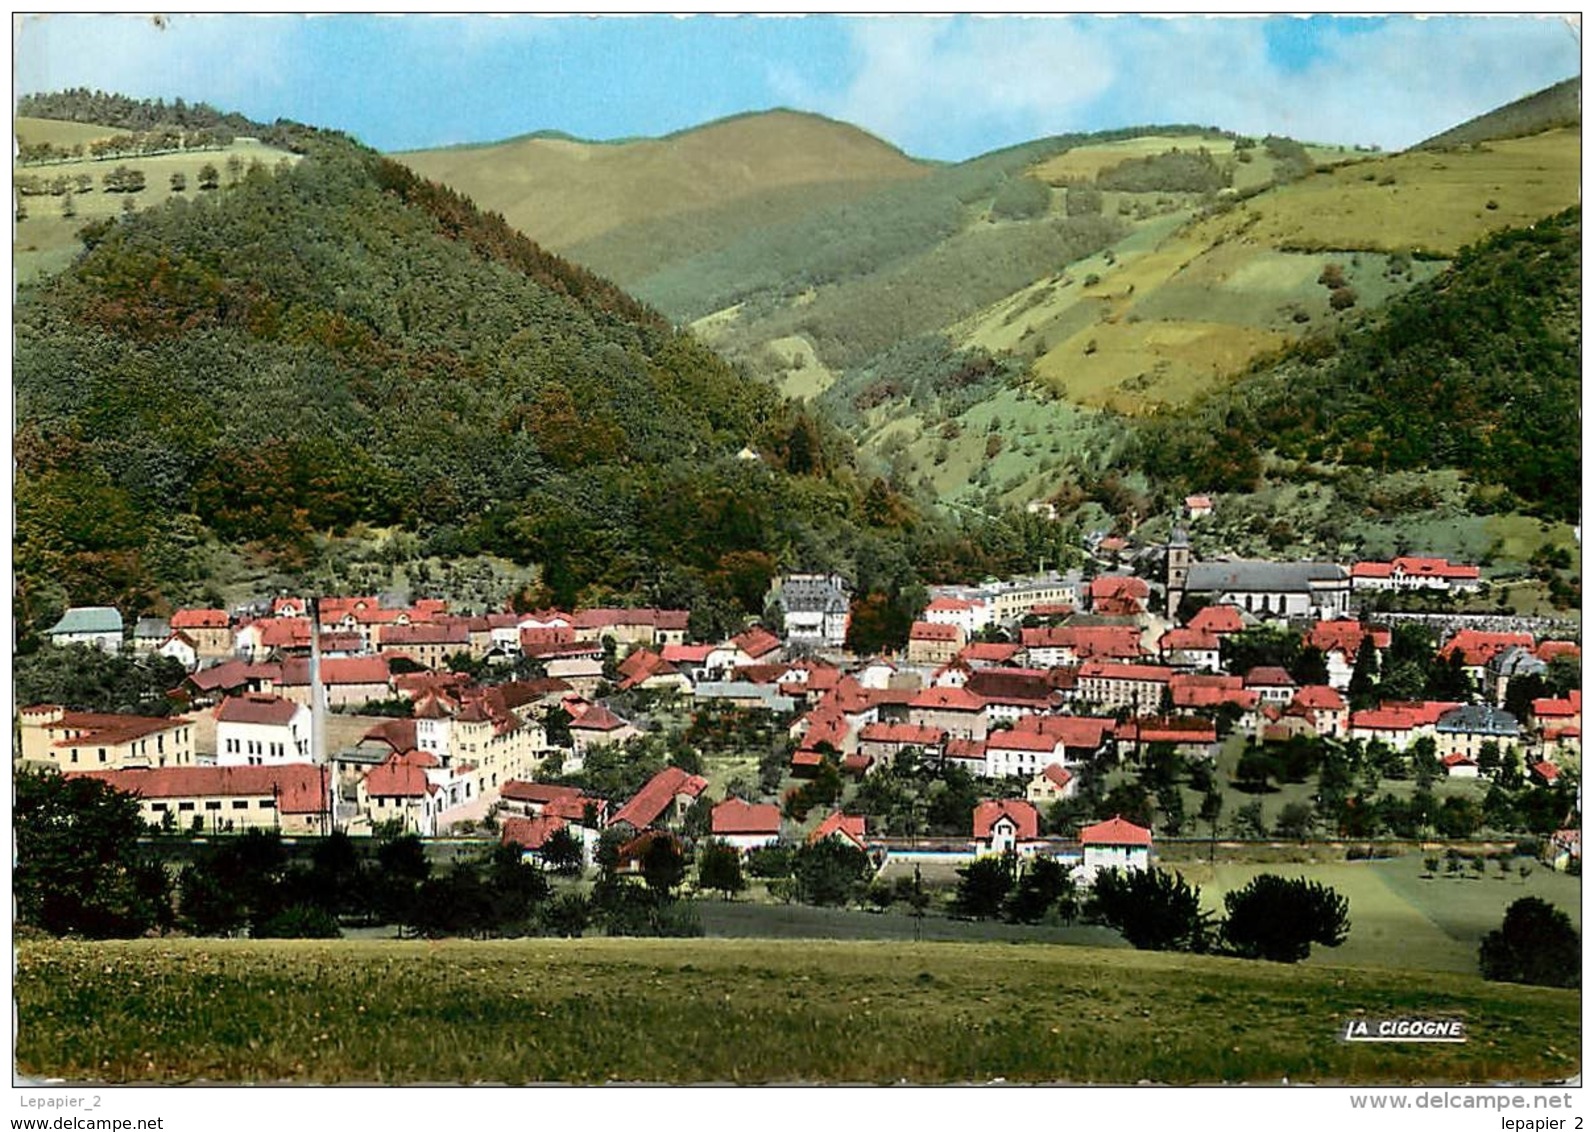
x=747 y=1011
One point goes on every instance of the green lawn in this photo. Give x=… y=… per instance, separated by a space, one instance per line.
x=747 y=1011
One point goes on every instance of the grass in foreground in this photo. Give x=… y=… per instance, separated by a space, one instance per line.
x=746 y=1011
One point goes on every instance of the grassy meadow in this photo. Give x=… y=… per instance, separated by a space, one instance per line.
x=46 y=240
x=588 y=1011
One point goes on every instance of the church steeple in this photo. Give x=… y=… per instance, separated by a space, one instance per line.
x=1178 y=567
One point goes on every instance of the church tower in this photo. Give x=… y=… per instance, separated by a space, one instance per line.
x=1178 y=568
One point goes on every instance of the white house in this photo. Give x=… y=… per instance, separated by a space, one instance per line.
x=1115 y=844
x=260 y=730
x=97 y=625
x=1006 y=825
x=745 y=825
x=816 y=609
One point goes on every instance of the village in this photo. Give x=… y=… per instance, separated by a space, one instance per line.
x=447 y=724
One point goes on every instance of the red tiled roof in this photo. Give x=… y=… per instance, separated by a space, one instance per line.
x=949 y=605
x=807 y=758
x=1030 y=687
x=337 y=670
x=756 y=642
x=1555 y=709
x=200 y=619
x=397 y=777
x=929 y=631
x=840 y=824
x=539 y=793
x=1318 y=697
x=734 y=816
x=992 y=652
x=1080 y=732
x=1025 y=818
x=427 y=633
x=1346 y=636
x=1167 y=731
x=257 y=708
x=1139 y=672
x=857 y=763
x=1478 y=647
x=946 y=699
x=1217 y=619
x=299 y=788
x=1548 y=771
x=1119 y=586
x=530 y=833
x=1088 y=642
x=228 y=674
x=1015 y=740
x=687 y=654
x=1549 y=650
x=1188 y=639
x=1195 y=501
x=1057 y=775
x=598 y=718
x=1457 y=759
x=657 y=794
x=1115 y=831
x=111 y=729
x=1265 y=676
x=667 y=619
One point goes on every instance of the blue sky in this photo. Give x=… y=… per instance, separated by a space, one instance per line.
x=945 y=88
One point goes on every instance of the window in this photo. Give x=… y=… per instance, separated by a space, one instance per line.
x=185 y=807
x=212 y=805
x=158 y=807
x=267 y=804
x=102 y=754
x=74 y=754
x=240 y=804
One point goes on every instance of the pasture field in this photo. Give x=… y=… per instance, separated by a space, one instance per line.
x=1398 y=918
x=1434 y=202
x=166 y=1011
x=47 y=240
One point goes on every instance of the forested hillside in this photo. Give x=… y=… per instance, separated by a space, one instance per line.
x=1476 y=370
x=339 y=345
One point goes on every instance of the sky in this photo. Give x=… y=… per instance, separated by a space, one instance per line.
x=945 y=88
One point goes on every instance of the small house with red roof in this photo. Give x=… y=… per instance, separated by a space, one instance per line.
x=1189 y=650
x=1273 y=685
x=930 y=643
x=1459 y=766
x=885 y=741
x=663 y=799
x=1197 y=506
x=416 y=791
x=1323 y=707
x=1053 y=783
x=1118 y=595
x=1218 y=620
x=1012 y=753
x=1188 y=736
x=1005 y=825
x=531 y=834
x=352 y=681
x=1114 y=844
x=210 y=630
x=1053 y=645
x=967 y=614
x=599 y=727
x=1544 y=773
x=261 y=730
x=968 y=754
x=989 y=654
x=745 y=825
x=848 y=829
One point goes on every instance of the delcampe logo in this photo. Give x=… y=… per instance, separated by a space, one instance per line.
x=1404 y=1030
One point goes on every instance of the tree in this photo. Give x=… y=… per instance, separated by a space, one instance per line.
x=563 y=852
x=984 y=885
x=1279 y=918
x=1534 y=944
x=79 y=868
x=1363 y=690
x=830 y=872
x=1155 y=910
x=209 y=177
x=1295 y=820
x=179 y=182
x=1045 y=885
x=663 y=865
x=719 y=867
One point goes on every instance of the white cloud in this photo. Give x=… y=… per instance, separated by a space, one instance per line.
x=952 y=87
x=234 y=62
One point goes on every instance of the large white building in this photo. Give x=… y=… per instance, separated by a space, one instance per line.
x=261 y=730
x=816 y=608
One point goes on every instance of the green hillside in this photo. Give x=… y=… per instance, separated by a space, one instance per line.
x=1551 y=108
x=1477 y=370
x=290 y=359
